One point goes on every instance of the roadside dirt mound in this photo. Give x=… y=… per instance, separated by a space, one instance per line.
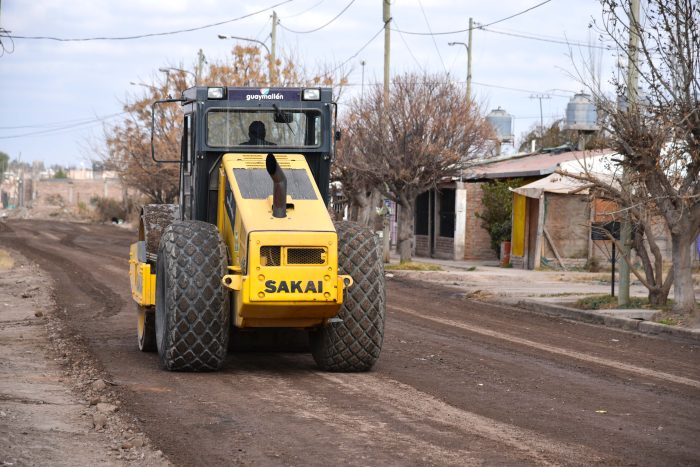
x=56 y=405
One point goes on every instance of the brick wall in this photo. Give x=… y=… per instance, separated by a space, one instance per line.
x=70 y=193
x=445 y=247
x=567 y=220
x=477 y=242
x=422 y=245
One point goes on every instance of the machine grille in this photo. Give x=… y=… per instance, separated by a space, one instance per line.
x=306 y=255
x=270 y=255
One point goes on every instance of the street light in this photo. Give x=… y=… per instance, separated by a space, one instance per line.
x=149 y=86
x=362 y=95
x=469 y=66
x=271 y=69
x=169 y=69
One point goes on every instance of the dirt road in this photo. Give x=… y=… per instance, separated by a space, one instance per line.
x=458 y=383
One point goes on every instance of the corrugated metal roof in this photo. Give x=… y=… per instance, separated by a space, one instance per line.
x=530 y=165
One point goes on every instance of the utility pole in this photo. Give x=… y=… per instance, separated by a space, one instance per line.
x=273 y=49
x=386 y=17
x=540 y=97
x=469 y=62
x=469 y=59
x=362 y=92
x=201 y=60
x=623 y=296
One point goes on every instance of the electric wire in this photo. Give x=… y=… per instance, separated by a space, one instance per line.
x=477 y=27
x=63 y=122
x=305 y=10
x=69 y=127
x=408 y=48
x=477 y=83
x=541 y=39
x=358 y=52
x=425 y=17
x=154 y=34
x=320 y=27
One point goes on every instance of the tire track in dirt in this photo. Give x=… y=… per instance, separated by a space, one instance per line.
x=68 y=275
x=403 y=419
x=637 y=370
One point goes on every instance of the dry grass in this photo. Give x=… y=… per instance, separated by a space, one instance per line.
x=412 y=266
x=6 y=261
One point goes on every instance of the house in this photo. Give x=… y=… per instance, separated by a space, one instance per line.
x=554 y=217
x=529 y=168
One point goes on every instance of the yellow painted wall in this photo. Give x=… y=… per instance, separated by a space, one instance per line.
x=518 y=235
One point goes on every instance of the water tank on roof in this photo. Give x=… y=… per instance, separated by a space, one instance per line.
x=502 y=123
x=581 y=113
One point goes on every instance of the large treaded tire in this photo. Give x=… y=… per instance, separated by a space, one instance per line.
x=354 y=342
x=192 y=306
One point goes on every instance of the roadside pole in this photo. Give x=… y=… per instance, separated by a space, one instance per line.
x=386 y=17
x=623 y=296
x=273 y=49
x=469 y=62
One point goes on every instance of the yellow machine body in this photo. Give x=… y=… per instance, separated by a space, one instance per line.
x=143 y=282
x=283 y=271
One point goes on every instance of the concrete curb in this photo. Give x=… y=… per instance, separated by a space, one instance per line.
x=627 y=324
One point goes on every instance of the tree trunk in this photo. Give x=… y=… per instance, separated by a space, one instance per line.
x=405 y=227
x=683 y=292
x=657 y=297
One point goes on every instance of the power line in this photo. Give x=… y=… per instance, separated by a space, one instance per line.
x=68 y=127
x=154 y=34
x=320 y=27
x=529 y=91
x=554 y=41
x=475 y=27
x=358 y=52
x=307 y=9
x=410 y=52
x=61 y=123
x=420 y=4
x=453 y=81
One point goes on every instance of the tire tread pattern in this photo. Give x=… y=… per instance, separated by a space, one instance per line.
x=354 y=344
x=197 y=319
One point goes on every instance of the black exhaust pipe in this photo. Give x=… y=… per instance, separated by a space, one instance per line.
x=279 y=186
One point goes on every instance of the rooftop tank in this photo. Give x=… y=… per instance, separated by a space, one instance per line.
x=502 y=123
x=581 y=113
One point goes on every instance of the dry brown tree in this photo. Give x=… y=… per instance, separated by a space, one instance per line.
x=658 y=135
x=427 y=132
x=128 y=142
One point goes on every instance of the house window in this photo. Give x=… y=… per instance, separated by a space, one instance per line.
x=447 y=212
x=422 y=221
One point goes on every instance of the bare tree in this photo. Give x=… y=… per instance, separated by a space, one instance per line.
x=658 y=136
x=632 y=202
x=426 y=133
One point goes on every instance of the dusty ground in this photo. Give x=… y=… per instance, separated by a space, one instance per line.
x=55 y=409
x=459 y=382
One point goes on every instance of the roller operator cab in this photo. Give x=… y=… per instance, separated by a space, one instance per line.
x=251 y=243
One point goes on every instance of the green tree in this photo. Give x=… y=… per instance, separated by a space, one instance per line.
x=60 y=174
x=496 y=217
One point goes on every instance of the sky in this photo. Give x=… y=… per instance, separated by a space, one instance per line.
x=55 y=96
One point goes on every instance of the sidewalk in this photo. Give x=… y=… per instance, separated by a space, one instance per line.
x=549 y=292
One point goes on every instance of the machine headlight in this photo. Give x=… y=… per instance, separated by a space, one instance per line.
x=215 y=93
x=313 y=94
